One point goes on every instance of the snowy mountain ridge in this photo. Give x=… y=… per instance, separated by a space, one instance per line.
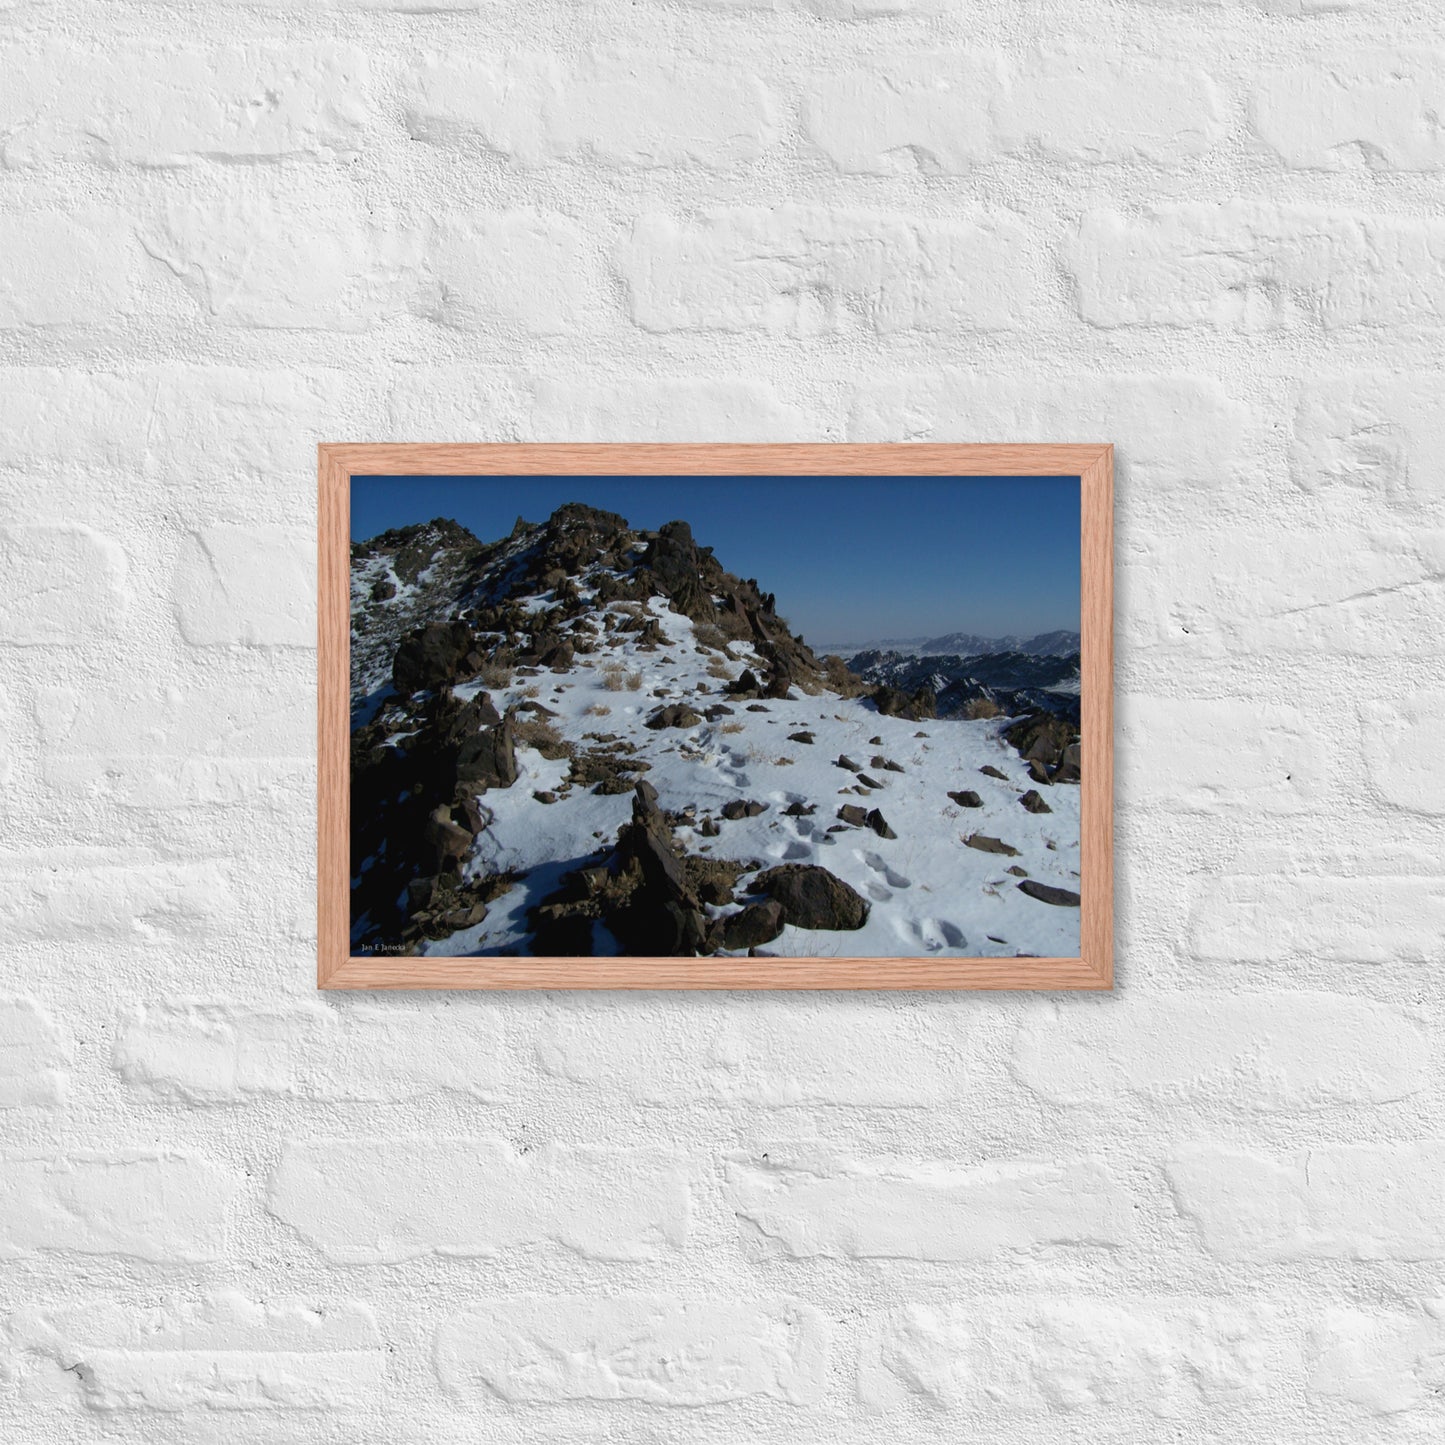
x=585 y=738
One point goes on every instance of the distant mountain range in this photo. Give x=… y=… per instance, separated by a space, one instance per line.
x=1061 y=643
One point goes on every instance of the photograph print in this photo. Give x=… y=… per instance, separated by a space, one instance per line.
x=763 y=717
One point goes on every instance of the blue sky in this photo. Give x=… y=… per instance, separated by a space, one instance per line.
x=851 y=559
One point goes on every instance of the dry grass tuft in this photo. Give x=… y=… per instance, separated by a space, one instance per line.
x=598 y=709
x=981 y=708
x=537 y=732
x=732 y=727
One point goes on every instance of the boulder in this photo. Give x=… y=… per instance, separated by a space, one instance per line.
x=449 y=839
x=868 y=782
x=985 y=844
x=800 y=810
x=802 y=737
x=1034 y=803
x=674 y=715
x=755 y=925
x=853 y=815
x=967 y=798
x=488 y=758
x=812 y=897
x=989 y=771
x=879 y=761
x=844 y=761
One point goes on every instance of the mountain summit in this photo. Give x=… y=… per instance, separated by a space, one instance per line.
x=586 y=738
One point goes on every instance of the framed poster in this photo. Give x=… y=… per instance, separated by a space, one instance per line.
x=658 y=716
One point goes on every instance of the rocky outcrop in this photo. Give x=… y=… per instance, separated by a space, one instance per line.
x=1049 y=745
x=431 y=657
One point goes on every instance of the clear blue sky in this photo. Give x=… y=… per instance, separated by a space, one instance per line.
x=851 y=559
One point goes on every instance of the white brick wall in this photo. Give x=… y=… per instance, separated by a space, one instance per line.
x=1209 y=1207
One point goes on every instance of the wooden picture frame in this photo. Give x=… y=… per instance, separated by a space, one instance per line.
x=1091 y=463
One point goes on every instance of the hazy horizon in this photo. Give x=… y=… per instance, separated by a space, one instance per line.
x=850 y=559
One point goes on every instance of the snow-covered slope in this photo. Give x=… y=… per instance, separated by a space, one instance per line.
x=581 y=739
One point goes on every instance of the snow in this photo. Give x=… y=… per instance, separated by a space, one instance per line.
x=929 y=893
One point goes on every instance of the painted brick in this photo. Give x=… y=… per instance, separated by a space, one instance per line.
x=929 y=115
x=332 y=266
x=816 y=1202
x=1338 y=1201
x=64 y=583
x=79 y=893
x=1096 y=1357
x=221 y=1352
x=1188 y=427
x=522 y=270
x=1285 y=770
x=217 y=597
x=661 y=409
x=162 y=748
x=658 y=1351
x=173 y=422
x=1257 y=917
x=1401 y=737
x=812 y=271
x=1281 y=1051
x=764 y=1053
x=375 y=1201
x=1379 y=1362
x=1356 y=111
x=233 y=1054
x=160 y=1205
x=33 y=1053
x=67 y=269
x=627 y=109
x=1381 y=433
x=1093 y=106
x=1251 y=267
x=171 y=105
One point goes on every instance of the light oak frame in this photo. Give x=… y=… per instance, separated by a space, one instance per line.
x=1092 y=464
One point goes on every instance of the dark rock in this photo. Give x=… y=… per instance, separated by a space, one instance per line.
x=1039 y=771
x=803 y=737
x=735 y=809
x=876 y=742
x=746 y=685
x=757 y=707
x=812 y=897
x=383 y=589
x=837 y=828
x=844 y=761
x=755 y=925
x=717 y=711
x=800 y=810
x=967 y=798
x=869 y=782
x=431 y=657
x=488 y=758
x=988 y=770
x=879 y=761
x=879 y=825
x=852 y=814
x=674 y=715
x=1070 y=765
x=709 y=828
x=1034 y=803
x=449 y=840
x=985 y=844
x=545 y=797
x=1017 y=871
x=1047 y=893
x=895 y=702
